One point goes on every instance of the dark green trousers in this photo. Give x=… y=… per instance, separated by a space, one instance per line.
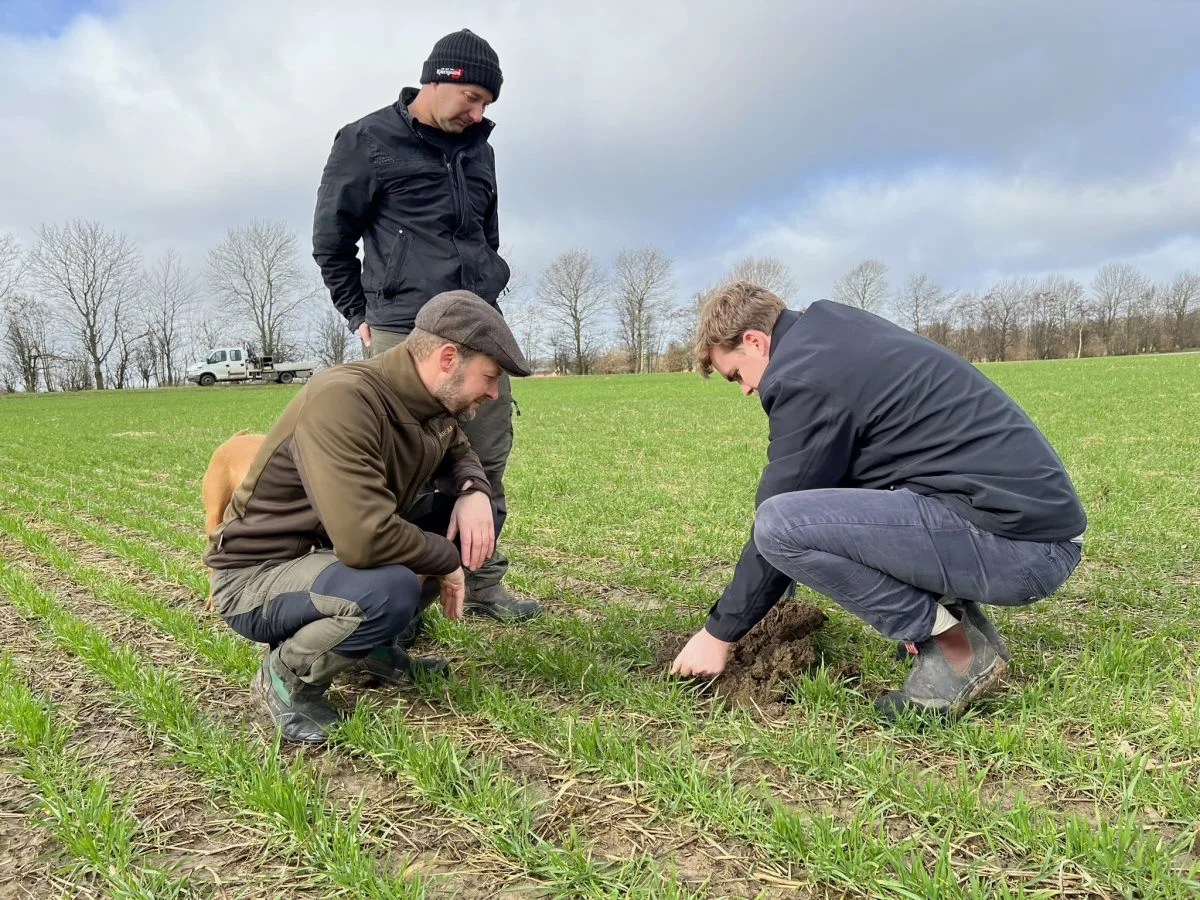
x=491 y=435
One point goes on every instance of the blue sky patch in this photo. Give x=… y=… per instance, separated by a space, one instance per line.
x=46 y=18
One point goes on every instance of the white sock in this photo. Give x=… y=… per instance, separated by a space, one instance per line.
x=944 y=621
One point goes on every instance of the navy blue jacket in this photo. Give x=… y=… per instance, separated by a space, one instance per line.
x=855 y=401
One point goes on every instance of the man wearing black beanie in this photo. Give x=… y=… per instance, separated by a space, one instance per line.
x=416 y=183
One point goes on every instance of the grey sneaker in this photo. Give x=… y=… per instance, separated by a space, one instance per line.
x=393 y=665
x=496 y=602
x=299 y=710
x=934 y=686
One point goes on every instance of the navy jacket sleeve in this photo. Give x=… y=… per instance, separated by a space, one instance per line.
x=811 y=441
x=344 y=202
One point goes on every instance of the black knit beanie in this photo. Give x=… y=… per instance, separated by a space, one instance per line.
x=466 y=58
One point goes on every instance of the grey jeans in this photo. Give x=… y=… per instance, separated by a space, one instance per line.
x=491 y=435
x=888 y=556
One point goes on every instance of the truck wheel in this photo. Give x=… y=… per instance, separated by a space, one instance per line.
x=286 y=377
x=208 y=379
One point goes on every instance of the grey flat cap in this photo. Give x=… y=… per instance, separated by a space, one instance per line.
x=469 y=320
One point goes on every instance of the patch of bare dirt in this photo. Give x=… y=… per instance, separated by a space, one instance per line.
x=766 y=661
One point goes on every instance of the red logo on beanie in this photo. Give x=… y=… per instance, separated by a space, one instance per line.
x=452 y=74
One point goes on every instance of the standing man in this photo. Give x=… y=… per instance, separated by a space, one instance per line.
x=900 y=482
x=324 y=546
x=416 y=183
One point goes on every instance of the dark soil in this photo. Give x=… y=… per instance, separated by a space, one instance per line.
x=766 y=661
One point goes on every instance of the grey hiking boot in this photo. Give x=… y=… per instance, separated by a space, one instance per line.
x=934 y=685
x=495 y=601
x=973 y=613
x=393 y=665
x=299 y=709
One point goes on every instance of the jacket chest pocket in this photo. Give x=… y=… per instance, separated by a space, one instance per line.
x=393 y=275
x=412 y=178
x=481 y=189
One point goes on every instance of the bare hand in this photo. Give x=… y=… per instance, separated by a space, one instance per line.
x=454 y=591
x=364 y=333
x=472 y=521
x=704 y=655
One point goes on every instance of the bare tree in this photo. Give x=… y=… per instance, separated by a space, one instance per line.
x=208 y=330
x=865 y=286
x=122 y=361
x=520 y=309
x=1180 y=298
x=26 y=340
x=572 y=292
x=171 y=294
x=92 y=277
x=331 y=342
x=1058 y=317
x=1002 y=308
x=1115 y=286
x=765 y=271
x=525 y=320
x=257 y=276
x=146 y=359
x=642 y=292
x=10 y=266
x=921 y=303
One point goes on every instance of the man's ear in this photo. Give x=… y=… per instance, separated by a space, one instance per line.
x=760 y=342
x=447 y=358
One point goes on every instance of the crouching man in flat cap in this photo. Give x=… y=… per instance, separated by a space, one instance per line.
x=326 y=543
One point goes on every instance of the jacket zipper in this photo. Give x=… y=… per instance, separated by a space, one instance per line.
x=460 y=205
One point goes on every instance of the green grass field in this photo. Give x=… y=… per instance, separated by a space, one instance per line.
x=558 y=761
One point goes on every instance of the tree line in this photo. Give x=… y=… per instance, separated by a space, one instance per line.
x=82 y=308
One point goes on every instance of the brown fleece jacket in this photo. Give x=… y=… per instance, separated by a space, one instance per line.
x=340 y=467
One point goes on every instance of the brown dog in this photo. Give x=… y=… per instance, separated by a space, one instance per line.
x=229 y=464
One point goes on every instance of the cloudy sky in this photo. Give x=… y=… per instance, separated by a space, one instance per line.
x=968 y=140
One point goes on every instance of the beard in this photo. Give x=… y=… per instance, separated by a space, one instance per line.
x=451 y=396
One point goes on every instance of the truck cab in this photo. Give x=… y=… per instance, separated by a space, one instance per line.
x=227 y=363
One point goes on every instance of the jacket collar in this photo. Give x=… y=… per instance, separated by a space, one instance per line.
x=407 y=390
x=476 y=133
x=786 y=322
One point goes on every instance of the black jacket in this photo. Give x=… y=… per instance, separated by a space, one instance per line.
x=424 y=204
x=854 y=401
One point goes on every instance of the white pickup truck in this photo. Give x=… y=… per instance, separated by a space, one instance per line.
x=239 y=365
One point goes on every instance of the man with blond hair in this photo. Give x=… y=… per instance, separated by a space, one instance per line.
x=901 y=483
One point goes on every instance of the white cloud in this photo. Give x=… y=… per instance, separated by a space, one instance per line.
x=945 y=136
x=967 y=227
